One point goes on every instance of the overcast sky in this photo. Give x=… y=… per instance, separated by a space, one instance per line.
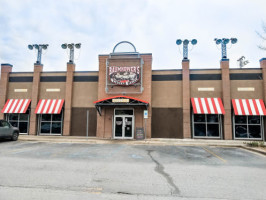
x=151 y=25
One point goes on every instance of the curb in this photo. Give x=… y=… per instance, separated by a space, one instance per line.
x=254 y=150
x=162 y=142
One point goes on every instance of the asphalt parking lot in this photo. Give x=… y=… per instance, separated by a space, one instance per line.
x=39 y=170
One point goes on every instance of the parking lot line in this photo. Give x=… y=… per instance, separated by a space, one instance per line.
x=214 y=154
x=15 y=151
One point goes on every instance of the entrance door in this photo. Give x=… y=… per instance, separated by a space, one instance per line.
x=123 y=127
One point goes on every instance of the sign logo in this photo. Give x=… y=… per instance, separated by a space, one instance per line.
x=124 y=75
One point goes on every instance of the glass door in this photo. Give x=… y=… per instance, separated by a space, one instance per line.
x=118 y=127
x=123 y=127
x=128 y=130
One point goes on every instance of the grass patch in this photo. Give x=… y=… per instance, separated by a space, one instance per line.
x=255 y=144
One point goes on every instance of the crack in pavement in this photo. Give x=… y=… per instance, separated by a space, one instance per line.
x=160 y=169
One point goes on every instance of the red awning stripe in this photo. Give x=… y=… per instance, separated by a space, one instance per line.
x=49 y=106
x=16 y=106
x=207 y=106
x=249 y=107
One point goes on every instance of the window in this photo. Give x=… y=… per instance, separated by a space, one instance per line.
x=247 y=127
x=124 y=112
x=51 y=124
x=206 y=125
x=4 y=124
x=19 y=120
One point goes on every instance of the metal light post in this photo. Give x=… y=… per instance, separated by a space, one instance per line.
x=38 y=47
x=185 y=46
x=71 y=47
x=224 y=42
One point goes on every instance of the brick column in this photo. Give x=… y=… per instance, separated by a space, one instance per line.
x=186 y=99
x=227 y=128
x=5 y=70
x=68 y=98
x=35 y=97
x=263 y=67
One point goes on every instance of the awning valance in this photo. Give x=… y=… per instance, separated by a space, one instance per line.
x=120 y=101
x=49 y=106
x=249 y=107
x=16 y=106
x=207 y=106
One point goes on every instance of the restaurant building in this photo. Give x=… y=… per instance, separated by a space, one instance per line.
x=126 y=99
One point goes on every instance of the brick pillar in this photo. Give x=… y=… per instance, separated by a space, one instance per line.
x=68 y=98
x=227 y=129
x=5 y=70
x=186 y=99
x=101 y=94
x=35 y=97
x=263 y=67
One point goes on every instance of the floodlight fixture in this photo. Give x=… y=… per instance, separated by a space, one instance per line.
x=185 y=46
x=233 y=40
x=44 y=46
x=30 y=47
x=224 y=42
x=178 y=42
x=218 y=41
x=38 y=47
x=194 y=42
x=71 y=47
x=185 y=42
x=78 y=45
x=64 y=46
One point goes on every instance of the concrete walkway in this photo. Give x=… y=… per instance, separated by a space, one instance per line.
x=153 y=141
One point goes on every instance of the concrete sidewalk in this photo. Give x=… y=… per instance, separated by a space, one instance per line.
x=153 y=141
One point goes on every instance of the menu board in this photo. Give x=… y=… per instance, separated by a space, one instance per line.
x=140 y=134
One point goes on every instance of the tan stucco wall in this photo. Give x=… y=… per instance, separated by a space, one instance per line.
x=166 y=72
x=53 y=74
x=256 y=84
x=19 y=95
x=86 y=73
x=167 y=94
x=52 y=95
x=205 y=71
x=84 y=94
x=217 y=85
x=240 y=71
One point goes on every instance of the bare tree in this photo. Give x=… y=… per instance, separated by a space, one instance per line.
x=262 y=36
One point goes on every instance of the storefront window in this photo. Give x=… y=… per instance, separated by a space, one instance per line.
x=206 y=125
x=248 y=127
x=51 y=124
x=19 y=120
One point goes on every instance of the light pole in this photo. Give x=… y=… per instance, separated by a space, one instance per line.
x=185 y=46
x=38 y=47
x=224 y=42
x=71 y=47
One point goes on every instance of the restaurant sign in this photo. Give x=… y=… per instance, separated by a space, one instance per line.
x=124 y=75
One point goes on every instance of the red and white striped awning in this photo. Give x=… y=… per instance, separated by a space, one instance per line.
x=49 y=106
x=249 y=107
x=16 y=106
x=207 y=106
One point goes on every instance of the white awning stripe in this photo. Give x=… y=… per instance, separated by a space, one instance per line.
x=207 y=106
x=248 y=107
x=16 y=106
x=49 y=106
